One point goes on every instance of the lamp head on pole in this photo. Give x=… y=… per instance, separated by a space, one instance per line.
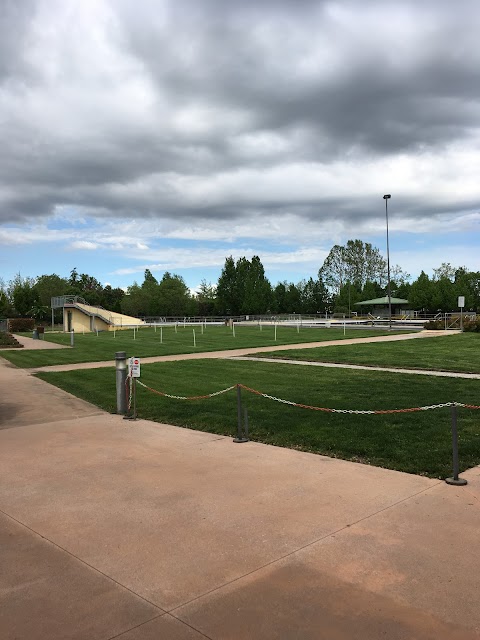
x=386 y=197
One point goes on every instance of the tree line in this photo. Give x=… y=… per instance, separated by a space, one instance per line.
x=351 y=273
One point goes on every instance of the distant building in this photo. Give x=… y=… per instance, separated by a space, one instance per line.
x=83 y=317
x=379 y=307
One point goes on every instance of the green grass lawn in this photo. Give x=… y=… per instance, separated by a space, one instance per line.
x=450 y=353
x=90 y=348
x=412 y=442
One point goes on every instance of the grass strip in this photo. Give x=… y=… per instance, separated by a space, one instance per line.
x=167 y=341
x=415 y=443
x=459 y=353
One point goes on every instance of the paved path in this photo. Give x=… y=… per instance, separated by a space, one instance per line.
x=30 y=343
x=140 y=531
x=341 y=365
x=230 y=353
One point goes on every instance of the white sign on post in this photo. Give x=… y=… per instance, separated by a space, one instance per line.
x=461 y=301
x=134 y=364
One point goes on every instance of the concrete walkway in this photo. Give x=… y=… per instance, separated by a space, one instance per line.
x=231 y=353
x=140 y=531
x=30 y=343
x=341 y=365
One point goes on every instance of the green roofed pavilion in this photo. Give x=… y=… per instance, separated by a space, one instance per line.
x=379 y=306
x=381 y=301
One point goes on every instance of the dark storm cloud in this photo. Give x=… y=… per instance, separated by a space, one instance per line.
x=198 y=109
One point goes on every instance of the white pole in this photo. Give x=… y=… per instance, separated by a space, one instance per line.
x=175 y=327
x=194 y=341
x=134 y=337
x=161 y=335
x=233 y=327
x=114 y=332
x=202 y=328
x=184 y=319
x=97 y=333
x=275 y=331
x=343 y=325
x=155 y=325
x=260 y=325
x=298 y=327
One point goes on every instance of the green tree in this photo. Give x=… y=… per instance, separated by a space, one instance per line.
x=293 y=299
x=151 y=295
x=206 y=298
x=314 y=296
x=173 y=295
x=23 y=294
x=134 y=302
x=279 y=302
x=356 y=262
x=243 y=287
x=257 y=293
x=227 y=290
x=111 y=298
x=467 y=283
x=421 y=293
x=348 y=295
x=39 y=311
x=49 y=286
x=6 y=308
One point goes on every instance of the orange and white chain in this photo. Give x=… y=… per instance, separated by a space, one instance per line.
x=306 y=406
x=359 y=411
x=167 y=395
x=129 y=389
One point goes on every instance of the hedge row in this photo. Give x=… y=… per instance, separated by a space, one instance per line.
x=468 y=325
x=17 y=325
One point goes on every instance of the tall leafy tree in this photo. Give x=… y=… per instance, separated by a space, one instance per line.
x=356 y=262
x=227 y=289
x=314 y=296
x=23 y=294
x=257 y=294
x=49 y=286
x=422 y=293
x=173 y=295
x=206 y=298
x=243 y=287
x=279 y=294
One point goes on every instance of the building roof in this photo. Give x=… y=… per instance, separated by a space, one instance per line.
x=382 y=301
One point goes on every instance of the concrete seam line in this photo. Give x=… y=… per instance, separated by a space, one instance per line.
x=155 y=618
x=82 y=561
x=119 y=635
x=306 y=546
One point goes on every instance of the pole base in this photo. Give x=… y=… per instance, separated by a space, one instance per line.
x=241 y=440
x=459 y=482
x=129 y=417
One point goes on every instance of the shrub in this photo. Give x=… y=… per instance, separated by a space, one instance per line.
x=472 y=325
x=7 y=340
x=434 y=325
x=17 y=325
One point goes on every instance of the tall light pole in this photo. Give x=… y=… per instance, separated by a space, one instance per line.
x=386 y=198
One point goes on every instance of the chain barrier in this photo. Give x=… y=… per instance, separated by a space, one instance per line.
x=129 y=389
x=167 y=395
x=359 y=411
x=304 y=406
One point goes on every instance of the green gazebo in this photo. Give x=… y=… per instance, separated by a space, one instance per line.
x=379 y=306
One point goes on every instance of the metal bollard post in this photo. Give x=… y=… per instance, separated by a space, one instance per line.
x=455 y=479
x=121 y=377
x=72 y=340
x=240 y=437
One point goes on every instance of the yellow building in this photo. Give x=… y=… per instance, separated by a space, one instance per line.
x=82 y=317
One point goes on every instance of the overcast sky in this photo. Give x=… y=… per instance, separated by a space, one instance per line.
x=171 y=134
